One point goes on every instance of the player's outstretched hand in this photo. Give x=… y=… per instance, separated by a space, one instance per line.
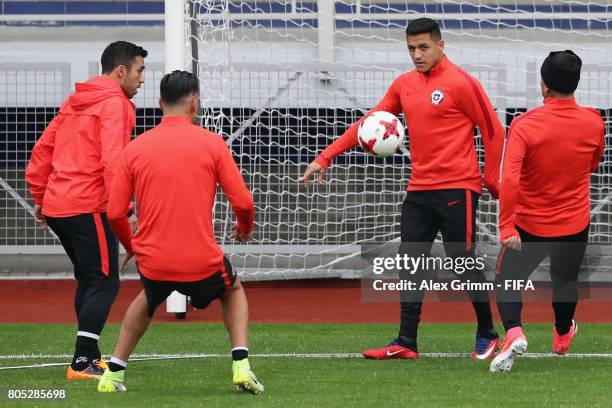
x=39 y=217
x=126 y=260
x=313 y=167
x=239 y=235
x=513 y=242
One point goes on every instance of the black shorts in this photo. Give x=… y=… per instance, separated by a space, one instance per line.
x=201 y=292
x=91 y=246
x=450 y=211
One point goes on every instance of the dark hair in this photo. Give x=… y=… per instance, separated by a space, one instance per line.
x=177 y=85
x=561 y=71
x=424 y=26
x=120 y=53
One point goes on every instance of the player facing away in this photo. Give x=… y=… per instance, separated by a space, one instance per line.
x=442 y=104
x=544 y=201
x=173 y=170
x=69 y=175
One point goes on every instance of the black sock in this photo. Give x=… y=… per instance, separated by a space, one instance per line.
x=240 y=354
x=510 y=313
x=86 y=351
x=408 y=342
x=564 y=312
x=488 y=334
x=410 y=316
x=484 y=318
x=115 y=367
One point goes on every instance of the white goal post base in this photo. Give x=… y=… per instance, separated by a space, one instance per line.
x=176 y=303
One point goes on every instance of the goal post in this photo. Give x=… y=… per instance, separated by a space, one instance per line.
x=175 y=50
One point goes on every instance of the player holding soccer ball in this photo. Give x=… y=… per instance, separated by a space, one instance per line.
x=442 y=104
x=544 y=201
x=173 y=170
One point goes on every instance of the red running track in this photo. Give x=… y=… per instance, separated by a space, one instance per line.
x=310 y=301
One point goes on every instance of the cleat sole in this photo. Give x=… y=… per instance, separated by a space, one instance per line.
x=504 y=361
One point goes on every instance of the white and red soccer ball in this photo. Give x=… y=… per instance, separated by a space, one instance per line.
x=381 y=134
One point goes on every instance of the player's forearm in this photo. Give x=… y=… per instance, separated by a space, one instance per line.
x=118 y=221
x=245 y=219
x=119 y=202
x=244 y=208
x=494 y=146
x=37 y=188
x=507 y=226
x=237 y=193
x=123 y=231
x=345 y=142
x=491 y=181
x=507 y=207
x=40 y=164
x=491 y=177
x=37 y=175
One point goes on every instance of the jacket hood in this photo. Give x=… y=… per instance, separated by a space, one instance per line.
x=93 y=91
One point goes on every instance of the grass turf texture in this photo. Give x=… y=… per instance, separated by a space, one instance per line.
x=428 y=382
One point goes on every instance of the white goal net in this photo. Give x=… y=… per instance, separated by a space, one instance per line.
x=282 y=79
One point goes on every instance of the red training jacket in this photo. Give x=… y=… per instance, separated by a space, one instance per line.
x=441 y=109
x=174 y=169
x=73 y=163
x=550 y=154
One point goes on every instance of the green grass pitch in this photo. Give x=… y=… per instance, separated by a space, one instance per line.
x=310 y=382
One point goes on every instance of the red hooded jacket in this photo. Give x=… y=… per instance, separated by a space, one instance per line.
x=74 y=161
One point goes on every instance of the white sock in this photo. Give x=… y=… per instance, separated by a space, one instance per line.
x=89 y=335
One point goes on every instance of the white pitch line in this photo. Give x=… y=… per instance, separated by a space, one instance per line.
x=153 y=357
x=137 y=357
x=35 y=366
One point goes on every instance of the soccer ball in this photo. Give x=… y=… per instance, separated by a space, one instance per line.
x=381 y=134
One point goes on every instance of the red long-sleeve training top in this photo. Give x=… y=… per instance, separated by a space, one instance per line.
x=73 y=163
x=441 y=109
x=550 y=153
x=174 y=169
